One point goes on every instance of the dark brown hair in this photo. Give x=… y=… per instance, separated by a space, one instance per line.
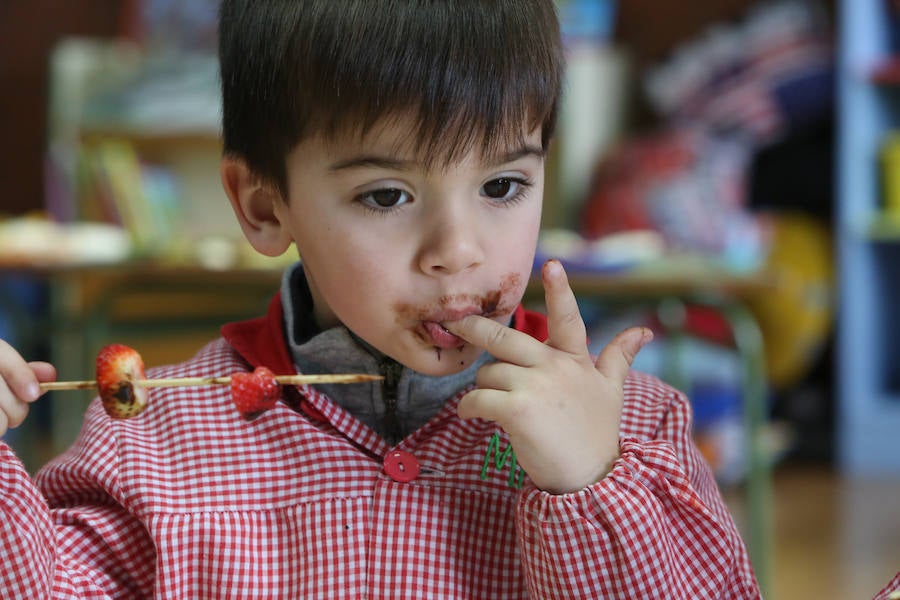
x=468 y=71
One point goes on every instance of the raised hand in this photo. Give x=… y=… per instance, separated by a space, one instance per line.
x=19 y=385
x=560 y=408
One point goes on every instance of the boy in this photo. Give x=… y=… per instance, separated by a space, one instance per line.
x=400 y=146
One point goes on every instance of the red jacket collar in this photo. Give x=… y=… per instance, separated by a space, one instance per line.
x=261 y=341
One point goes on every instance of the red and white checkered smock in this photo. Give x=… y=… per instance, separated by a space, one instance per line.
x=189 y=501
x=891 y=591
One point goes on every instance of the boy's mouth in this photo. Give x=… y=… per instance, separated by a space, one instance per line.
x=429 y=318
x=438 y=336
x=432 y=330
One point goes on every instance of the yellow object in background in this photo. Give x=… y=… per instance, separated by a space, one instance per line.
x=890 y=174
x=796 y=317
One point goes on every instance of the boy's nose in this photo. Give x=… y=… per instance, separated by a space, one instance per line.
x=450 y=246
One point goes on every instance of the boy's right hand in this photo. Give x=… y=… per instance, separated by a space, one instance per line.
x=19 y=385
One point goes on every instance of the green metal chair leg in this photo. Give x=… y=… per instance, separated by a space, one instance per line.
x=749 y=343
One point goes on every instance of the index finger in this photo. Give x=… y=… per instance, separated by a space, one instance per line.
x=565 y=326
x=501 y=342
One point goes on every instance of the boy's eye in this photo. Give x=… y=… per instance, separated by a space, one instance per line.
x=500 y=188
x=386 y=198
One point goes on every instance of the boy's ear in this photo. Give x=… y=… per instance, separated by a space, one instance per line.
x=254 y=203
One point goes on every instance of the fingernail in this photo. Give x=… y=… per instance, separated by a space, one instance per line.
x=552 y=267
x=646 y=335
x=32 y=391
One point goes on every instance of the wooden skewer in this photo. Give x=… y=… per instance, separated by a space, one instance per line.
x=188 y=381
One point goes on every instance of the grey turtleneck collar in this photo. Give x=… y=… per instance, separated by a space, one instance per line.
x=394 y=408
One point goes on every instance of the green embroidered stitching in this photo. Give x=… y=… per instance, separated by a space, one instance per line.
x=516 y=474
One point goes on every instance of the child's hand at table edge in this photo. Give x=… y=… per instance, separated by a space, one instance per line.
x=560 y=408
x=19 y=385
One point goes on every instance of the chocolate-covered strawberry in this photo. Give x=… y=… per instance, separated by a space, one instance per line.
x=118 y=367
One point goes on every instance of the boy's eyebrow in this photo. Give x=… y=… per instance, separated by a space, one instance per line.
x=386 y=162
x=522 y=152
x=372 y=160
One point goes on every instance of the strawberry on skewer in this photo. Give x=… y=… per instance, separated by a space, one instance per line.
x=122 y=384
x=254 y=393
x=118 y=367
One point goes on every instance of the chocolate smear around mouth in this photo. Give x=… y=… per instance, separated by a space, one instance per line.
x=500 y=301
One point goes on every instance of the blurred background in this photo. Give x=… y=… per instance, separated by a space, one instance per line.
x=727 y=172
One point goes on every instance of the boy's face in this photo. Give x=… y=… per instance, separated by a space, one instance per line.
x=392 y=249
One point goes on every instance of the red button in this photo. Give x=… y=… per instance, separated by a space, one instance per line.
x=401 y=466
